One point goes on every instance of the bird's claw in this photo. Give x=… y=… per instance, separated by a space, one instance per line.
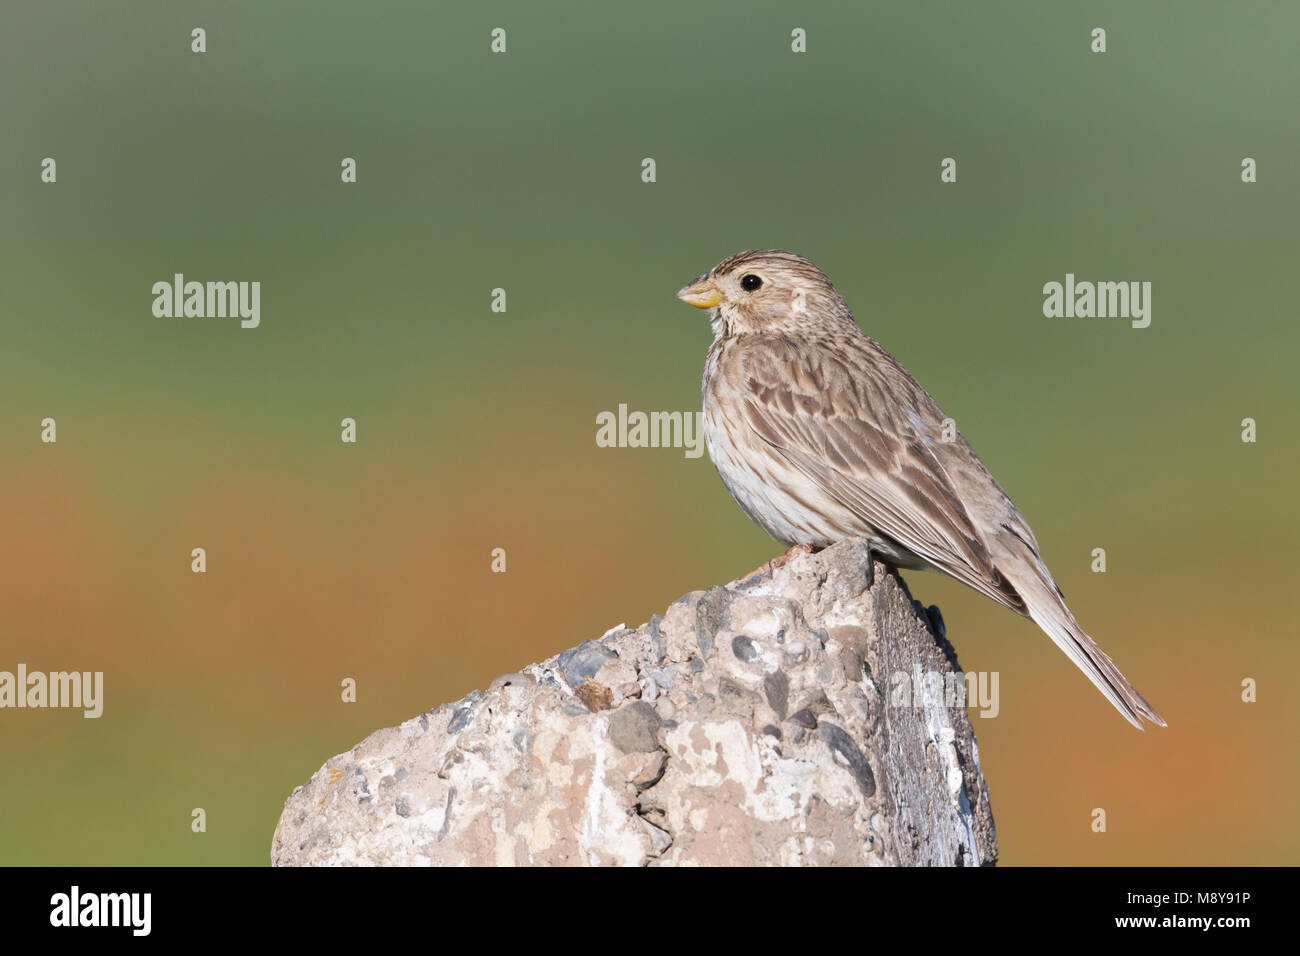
x=780 y=561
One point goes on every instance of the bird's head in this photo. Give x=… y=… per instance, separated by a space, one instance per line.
x=765 y=290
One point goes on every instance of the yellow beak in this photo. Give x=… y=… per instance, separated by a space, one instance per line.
x=702 y=294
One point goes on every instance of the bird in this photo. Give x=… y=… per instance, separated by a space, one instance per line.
x=819 y=434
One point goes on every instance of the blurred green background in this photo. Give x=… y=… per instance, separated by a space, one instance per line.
x=477 y=430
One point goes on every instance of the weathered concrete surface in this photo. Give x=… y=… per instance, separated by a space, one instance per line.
x=753 y=724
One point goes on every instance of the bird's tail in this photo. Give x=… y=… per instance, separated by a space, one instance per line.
x=1050 y=613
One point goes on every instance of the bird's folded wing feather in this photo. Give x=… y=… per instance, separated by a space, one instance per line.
x=867 y=436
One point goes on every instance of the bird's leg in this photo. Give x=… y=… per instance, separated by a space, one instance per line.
x=780 y=561
x=794 y=552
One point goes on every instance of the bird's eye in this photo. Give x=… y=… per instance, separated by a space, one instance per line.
x=750 y=282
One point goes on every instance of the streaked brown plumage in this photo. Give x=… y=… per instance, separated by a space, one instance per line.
x=820 y=434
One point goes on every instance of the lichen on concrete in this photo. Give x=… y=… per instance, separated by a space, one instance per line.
x=748 y=724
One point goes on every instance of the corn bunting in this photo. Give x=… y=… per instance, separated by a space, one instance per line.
x=820 y=435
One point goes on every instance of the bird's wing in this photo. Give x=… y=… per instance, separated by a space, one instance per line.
x=869 y=436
